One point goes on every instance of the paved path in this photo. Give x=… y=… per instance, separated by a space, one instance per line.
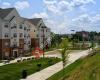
x=47 y=72
x=15 y=60
x=21 y=58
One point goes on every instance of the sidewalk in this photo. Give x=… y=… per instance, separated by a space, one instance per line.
x=20 y=58
x=15 y=61
x=47 y=72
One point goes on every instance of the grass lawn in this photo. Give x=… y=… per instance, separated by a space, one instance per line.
x=0 y=61
x=13 y=71
x=83 y=69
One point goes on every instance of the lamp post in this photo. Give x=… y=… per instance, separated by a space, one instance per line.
x=73 y=37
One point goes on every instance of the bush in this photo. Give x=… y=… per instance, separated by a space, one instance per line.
x=39 y=67
x=50 y=62
x=28 y=58
x=18 y=60
x=24 y=59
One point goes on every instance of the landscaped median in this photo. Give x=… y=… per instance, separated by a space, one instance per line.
x=87 y=68
x=14 y=71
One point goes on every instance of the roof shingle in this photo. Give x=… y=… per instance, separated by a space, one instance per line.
x=5 y=12
x=35 y=21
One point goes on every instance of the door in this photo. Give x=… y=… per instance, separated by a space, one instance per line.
x=15 y=54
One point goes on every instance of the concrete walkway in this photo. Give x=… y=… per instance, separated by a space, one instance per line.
x=15 y=60
x=21 y=58
x=47 y=72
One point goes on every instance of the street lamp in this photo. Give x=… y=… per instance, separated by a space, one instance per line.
x=73 y=37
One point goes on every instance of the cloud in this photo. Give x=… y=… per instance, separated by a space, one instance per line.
x=49 y=1
x=62 y=6
x=84 y=18
x=40 y=15
x=22 y=4
x=82 y=2
x=87 y=22
x=5 y=5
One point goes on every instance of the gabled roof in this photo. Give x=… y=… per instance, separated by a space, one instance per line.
x=5 y=12
x=35 y=21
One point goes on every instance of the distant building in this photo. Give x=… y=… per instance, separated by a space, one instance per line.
x=97 y=38
x=84 y=34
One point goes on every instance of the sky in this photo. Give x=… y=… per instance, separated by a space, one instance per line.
x=61 y=16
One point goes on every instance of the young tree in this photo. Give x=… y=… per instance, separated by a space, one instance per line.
x=92 y=44
x=64 y=45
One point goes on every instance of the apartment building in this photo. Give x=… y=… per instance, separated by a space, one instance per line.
x=12 y=29
x=33 y=34
x=43 y=32
x=18 y=35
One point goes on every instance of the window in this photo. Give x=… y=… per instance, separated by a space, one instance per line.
x=40 y=25
x=37 y=35
x=29 y=42
x=46 y=30
x=6 y=26
x=21 y=27
x=24 y=35
x=24 y=28
x=6 y=35
x=28 y=35
x=15 y=35
x=15 y=26
x=21 y=35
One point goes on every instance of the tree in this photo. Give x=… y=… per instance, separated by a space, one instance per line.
x=92 y=44
x=56 y=39
x=64 y=45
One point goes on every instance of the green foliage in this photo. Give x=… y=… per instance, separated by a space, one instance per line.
x=98 y=42
x=82 y=69
x=56 y=39
x=64 y=43
x=13 y=71
x=64 y=46
x=92 y=44
x=68 y=70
